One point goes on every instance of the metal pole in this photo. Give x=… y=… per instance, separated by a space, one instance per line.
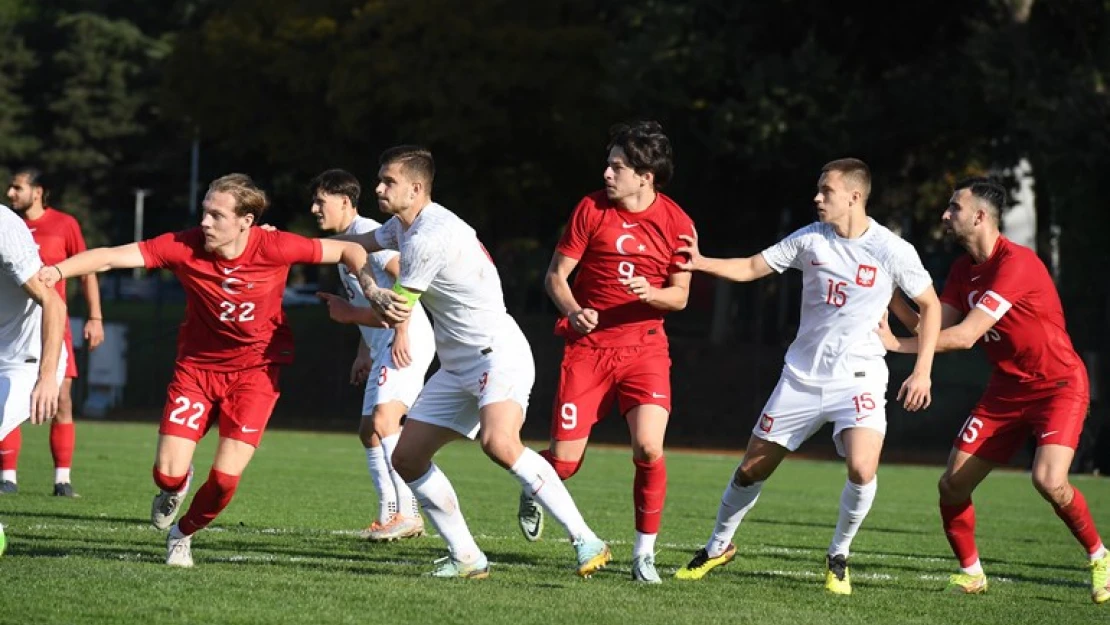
x=140 y=197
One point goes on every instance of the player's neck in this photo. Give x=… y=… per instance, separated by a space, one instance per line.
x=35 y=212
x=409 y=215
x=637 y=202
x=346 y=222
x=982 y=246
x=852 y=226
x=235 y=248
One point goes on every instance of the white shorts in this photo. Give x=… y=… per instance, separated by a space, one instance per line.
x=16 y=385
x=387 y=383
x=797 y=409
x=452 y=399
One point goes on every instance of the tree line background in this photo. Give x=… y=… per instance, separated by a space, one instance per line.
x=515 y=99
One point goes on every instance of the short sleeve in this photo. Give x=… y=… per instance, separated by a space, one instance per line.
x=577 y=235
x=388 y=236
x=907 y=271
x=782 y=255
x=165 y=251
x=422 y=260
x=1010 y=284
x=297 y=249
x=19 y=256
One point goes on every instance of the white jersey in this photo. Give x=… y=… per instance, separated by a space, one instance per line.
x=846 y=288
x=442 y=257
x=379 y=339
x=20 y=316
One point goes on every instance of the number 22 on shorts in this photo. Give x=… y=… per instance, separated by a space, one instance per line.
x=187 y=413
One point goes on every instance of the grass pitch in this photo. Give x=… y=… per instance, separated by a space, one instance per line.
x=286 y=550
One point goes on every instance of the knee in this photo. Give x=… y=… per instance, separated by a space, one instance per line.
x=647 y=452
x=408 y=465
x=859 y=474
x=502 y=448
x=951 y=490
x=366 y=432
x=565 y=469
x=65 y=408
x=746 y=475
x=1054 y=489
x=385 y=421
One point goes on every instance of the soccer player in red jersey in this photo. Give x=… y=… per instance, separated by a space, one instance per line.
x=1002 y=295
x=58 y=236
x=232 y=343
x=622 y=241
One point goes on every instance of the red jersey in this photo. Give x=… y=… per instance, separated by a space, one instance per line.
x=58 y=236
x=611 y=243
x=1029 y=345
x=233 y=315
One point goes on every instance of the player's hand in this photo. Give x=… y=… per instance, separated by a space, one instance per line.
x=267 y=227
x=400 y=348
x=917 y=391
x=638 y=286
x=890 y=342
x=583 y=321
x=340 y=310
x=50 y=275
x=94 y=333
x=692 y=251
x=360 y=368
x=393 y=307
x=44 y=399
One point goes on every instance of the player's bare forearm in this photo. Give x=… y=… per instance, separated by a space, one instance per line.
x=735 y=269
x=904 y=312
x=101 y=259
x=928 y=330
x=367 y=240
x=355 y=257
x=560 y=293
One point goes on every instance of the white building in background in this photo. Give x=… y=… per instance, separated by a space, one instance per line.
x=1019 y=222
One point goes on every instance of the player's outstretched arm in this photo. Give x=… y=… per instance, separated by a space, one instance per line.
x=44 y=397
x=94 y=261
x=735 y=269
x=367 y=240
x=557 y=283
x=917 y=389
x=353 y=255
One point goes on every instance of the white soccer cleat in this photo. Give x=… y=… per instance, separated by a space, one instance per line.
x=179 y=551
x=164 y=508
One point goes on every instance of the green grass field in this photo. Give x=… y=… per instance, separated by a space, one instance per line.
x=286 y=550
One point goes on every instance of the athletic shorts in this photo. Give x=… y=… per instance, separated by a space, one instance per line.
x=16 y=384
x=241 y=402
x=591 y=378
x=797 y=408
x=1000 y=425
x=71 y=360
x=453 y=399
x=387 y=383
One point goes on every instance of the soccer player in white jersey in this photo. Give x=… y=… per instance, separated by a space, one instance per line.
x=32 y=326
x=486 y=368
x=834 y=370
x=391 y=362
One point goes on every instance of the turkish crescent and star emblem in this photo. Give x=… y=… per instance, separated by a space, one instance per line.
x=626 y=244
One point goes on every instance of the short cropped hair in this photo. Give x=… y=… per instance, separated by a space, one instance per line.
x=337 y=182
x=989 y=192
x=646 y=148
x=249 y=198
x=35 y=178
x=415 y=161
x=852 y=168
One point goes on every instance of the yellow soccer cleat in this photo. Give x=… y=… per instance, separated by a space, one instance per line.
x=592 y=556
x=967 y=583
x=1100 y=579
x=837 y=579
x=701 y=564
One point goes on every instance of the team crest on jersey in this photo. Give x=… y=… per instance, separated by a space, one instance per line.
x=765 y=422
x=865 y=275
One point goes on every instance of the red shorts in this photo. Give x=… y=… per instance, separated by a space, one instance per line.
x=71 y=360
x=590 y=378
x=240 y=401
x=999 y=426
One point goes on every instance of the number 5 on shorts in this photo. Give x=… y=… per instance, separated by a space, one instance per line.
x=971 y=429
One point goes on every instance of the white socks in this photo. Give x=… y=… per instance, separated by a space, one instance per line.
x=441 y=506
x=406 y=501
x=976 y=568
x=379 y=473
x=855 y=502
x=644 y=545
x=61 y=476
x=8 y=475
x=735 y=503
x=542 y=484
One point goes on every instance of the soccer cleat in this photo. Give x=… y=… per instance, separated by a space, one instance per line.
x=450 y=567
x=398 y=527
x=702 y=563
x=967 y=584
x=163 y=510
x=592 y=556
x=3 y=540
x=376 y=526
x=529 y=515
x=643 y=569
x=64 y=489
x=179 y=551
x=1100 y=579
x=8 y=487
x=837 y=579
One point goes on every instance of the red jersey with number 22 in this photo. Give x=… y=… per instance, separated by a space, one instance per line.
x=611 y=243
x=1029 y=345
x=233 y=315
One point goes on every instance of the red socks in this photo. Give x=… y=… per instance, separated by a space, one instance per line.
x=9 y=450
x=563 y=468
x=168 y=483
x=62 y=440
x=1077 y=517
x=649 y=492
x=210 y=500
x=959 y=527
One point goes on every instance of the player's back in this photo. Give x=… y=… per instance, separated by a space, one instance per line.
x=1029 y=343
x=20 y=316
x=233 y=313
x=442 y=257
x=846 y=287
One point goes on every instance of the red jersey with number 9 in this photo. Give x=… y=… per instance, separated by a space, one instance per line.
x=233 y=315
x=1029 y=343
x=611 y=243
